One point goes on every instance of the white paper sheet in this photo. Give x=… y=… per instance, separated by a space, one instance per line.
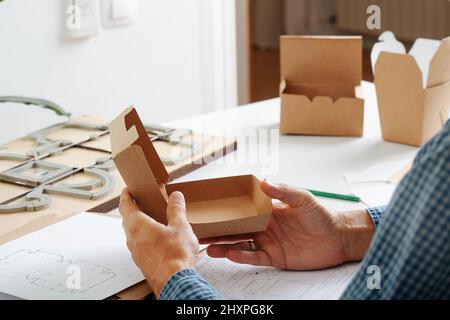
x=377 y=195
x=379 y=172
x=235 y=281
x=42 y=264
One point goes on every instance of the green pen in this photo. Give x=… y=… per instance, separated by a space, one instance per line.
x=335 y=195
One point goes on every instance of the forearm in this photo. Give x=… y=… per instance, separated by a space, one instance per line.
x=357 y=230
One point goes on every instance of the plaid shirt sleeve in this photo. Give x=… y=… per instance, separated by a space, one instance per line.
x=188 y=284
x=376 y=214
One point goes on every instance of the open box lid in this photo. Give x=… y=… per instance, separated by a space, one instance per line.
x=432 y=57
x=127 y=130
x=321 y=59
x=439 y=70
x=139 y=164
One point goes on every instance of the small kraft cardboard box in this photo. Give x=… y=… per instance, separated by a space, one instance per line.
x=215 y=207
x=413 y=90
x=320 y=85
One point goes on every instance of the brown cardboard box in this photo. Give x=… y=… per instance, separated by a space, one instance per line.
x=319 y=81
x=413 y=90
x=215 y=207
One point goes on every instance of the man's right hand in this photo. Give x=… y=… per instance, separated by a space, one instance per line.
x=301 y=235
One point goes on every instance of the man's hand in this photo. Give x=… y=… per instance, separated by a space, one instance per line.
x=301 y=235
x=159 y=250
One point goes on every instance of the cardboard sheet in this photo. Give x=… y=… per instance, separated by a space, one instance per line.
x=400 y=174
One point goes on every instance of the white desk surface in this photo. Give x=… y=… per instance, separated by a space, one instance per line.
x=303 y=161
x=315 y=162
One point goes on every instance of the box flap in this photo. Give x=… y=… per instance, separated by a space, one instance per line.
x=321 y=59
x=387 y=43
x=423 y=50
x=400 y=96
x=439 y=70
x=432 y=56
x=149 y=195
x=127 y=130
x=321 y=116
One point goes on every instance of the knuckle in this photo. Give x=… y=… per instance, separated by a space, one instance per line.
x=283 y=190
x=175 y=207
x=134 y=229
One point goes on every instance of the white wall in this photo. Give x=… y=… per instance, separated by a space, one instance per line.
x=154 y=63
x=243 y=55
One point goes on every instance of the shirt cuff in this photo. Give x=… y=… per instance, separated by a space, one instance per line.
x=188 y=284
x=376 y=214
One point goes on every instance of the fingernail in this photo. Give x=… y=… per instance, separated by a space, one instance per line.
x=177 y=196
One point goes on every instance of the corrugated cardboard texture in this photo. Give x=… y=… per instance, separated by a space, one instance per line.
x=318 y=88
x=409 y=113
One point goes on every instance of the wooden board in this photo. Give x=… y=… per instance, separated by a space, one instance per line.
x=84 y=155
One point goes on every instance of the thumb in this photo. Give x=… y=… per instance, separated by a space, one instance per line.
x=293 y=197
x=176 y=209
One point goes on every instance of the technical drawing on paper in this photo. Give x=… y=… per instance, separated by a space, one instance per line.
x=49 y=270
x=235 y=281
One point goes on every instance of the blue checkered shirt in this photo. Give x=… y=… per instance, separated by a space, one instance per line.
x=409 y=257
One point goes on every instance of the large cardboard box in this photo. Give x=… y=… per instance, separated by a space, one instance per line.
x=320 y=77
x=413 y=90
x=215 y=207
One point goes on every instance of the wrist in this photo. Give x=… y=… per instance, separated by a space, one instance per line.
x=158 y=280
x=356 y=232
